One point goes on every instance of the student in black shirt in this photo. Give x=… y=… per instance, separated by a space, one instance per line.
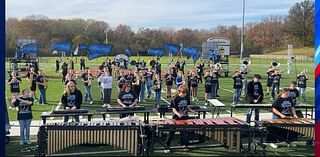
x=194 y=81
x=276 y=83
x=82 y=63
x=169 y=82
x=71 y=99
x=270 y=71
x=207 y=86
x=127 y=98
x=14 y=83
x=24 y=104
x=302 y=84
x=142 y=85
x=41 y=81
x=237 y=86
x=293 y=93
x=32 y=78
x=254 y=96
x=57 y=65
x=136 y=82
x=87 y=80
x=149 y=78
x=180 y=105
x=157 y=85
x=72 y=64
x=215 y=81
x=64 y=68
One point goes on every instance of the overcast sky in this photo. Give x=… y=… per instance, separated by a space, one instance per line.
x=200 y=14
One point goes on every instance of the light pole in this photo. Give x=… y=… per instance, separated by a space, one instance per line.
x=106 y=31
x=242 y=30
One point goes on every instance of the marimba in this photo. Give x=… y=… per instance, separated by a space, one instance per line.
x=226 y=131
x=54 y=137
x=302 y=126
x=200 y=109
x=62 y=113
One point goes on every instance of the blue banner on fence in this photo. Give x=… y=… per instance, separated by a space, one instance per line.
x=98 y=50
x=61 y=46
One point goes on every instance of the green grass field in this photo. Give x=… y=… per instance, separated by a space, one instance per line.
x=259 y=66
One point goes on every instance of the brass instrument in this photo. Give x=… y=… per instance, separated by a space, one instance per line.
x=275 y=64
x=45 y=82
x=89 y=80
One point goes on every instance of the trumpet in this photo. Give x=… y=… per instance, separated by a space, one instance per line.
x=89 y=80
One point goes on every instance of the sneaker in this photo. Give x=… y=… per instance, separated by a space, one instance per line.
x=273 y=145
x=167 y=151
x=91 y=102
x=233 y=103
x=21 y=143
x=28 y=142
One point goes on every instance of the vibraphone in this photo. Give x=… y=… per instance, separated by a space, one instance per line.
x=200 y=109
x=54 y=137
x=62 y=113
x=302 y=126
x=226 y=131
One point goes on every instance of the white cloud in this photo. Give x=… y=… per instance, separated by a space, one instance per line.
x=152 y=13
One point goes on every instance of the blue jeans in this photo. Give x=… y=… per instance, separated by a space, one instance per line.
x=25 y=130
x=214 y=90
x=42 y=99
x=236 y=94
x=149 y=86
x=66 y=118
x=249 y=114
x=142 y=91
x=158 y=97
x=275 y=89
x=88 y=93
x=302 y=93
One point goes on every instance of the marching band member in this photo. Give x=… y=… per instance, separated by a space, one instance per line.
x=71 y=63
x=179 y=79
x=149 y=75
x=121 y=80
x=136 y=82
x=24 y=115
x=254 y=96
x=64 y=72
x=200 y=70
x=14 y=83
x=142 y=85
x=169 y=82
x=237 y=86
x=293 y=93
x=31 y=77
x=127 y=98
x=276 y=83
x=189 y=81
x=57 y=65
x=194 y=81
x=106 y=84
x=71 y=99
x=215 y=82
x=180 y=105
x=207 y=86
x=41 y=81
x=87 y=79
x=270 y=71
x=157 y=85
x=302 y=84
x=82 y=63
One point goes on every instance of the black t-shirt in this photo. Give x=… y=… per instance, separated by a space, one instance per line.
x=85 y=77
x=208 y=81
x=130 y=78
x=194 y=80
x=64 y=68
x=157 y=85
x=149 y=75
x=302 y=81
x=293 y=94
x=57 y=63
x=15 y=86
x=169 y=79
x=254 y=91
x=40 y=80
x=74 y=99
x=270 y=77
x=127 y=98
x=82 y=61
x=282 y=105
x=180 y=104
x=24 y=111
x=276 y=79
x=237 y=82
x=34 y=79
x=215 y=77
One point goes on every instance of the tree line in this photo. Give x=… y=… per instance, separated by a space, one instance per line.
x=273 y=33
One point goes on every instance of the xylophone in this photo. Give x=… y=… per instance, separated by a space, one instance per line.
x=135 y=108
x=200 y=109
x=69 y=111
x=302 y=126
x=225 y=130
x=54 y=137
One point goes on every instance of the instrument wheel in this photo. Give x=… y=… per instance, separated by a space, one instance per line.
x=253 y=146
